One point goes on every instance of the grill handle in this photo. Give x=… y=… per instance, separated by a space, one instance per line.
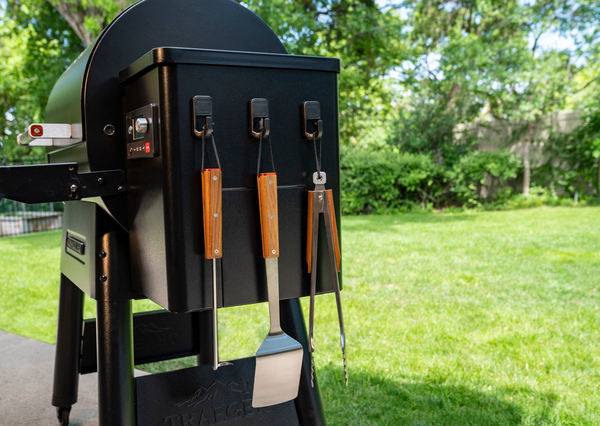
x=51 y=135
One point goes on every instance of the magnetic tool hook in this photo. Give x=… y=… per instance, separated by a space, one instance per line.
x=259 y=115
x=202 y=111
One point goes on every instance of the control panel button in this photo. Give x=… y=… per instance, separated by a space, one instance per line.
x=142 y=132
x=141 y=125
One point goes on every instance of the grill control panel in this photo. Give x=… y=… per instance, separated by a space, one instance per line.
x=142 y=132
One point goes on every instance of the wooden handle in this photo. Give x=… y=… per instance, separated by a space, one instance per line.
x=311 y=224
x=336 y=241
x=309 y=231
x=269 y=219
x=211 y=213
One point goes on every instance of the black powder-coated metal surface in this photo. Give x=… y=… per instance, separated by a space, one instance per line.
x=116 y=386
x=244 y=274
x=164 y=193
x=177 y=55
x=309 y=404
x=201 y=396
x=68 y=344
x=157 y=336
x=46 y=183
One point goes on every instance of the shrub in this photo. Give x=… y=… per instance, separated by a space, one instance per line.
x=384 y=181
x=573 y=159
x=483 y=176
x=391 y=181
x=539 y=196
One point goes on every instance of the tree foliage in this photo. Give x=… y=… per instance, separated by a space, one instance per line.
x=415 y=73
x=368 y=41
x=487 y=60
x=88 y=18
x=36 y=46
x=573 y=158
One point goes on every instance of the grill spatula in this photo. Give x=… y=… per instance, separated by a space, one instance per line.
x=279 y=358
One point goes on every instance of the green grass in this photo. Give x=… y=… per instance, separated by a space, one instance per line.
x=452 y=319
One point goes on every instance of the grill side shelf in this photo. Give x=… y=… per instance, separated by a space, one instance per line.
x=45 y=183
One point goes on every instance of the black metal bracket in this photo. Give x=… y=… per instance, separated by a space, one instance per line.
x=311 y=111
x=45 y=183
x=202 y=109
x=259 y=116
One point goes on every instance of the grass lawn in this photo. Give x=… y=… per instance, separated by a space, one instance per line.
x=487 y=318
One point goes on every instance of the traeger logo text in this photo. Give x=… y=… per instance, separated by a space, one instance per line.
x=218 y=404
x=75 y=245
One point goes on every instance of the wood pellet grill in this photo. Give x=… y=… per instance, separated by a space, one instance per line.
x=125 y=155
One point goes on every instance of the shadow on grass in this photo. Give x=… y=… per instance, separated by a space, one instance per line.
x=374 y=400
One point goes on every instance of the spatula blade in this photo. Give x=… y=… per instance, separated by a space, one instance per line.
x=278 y=368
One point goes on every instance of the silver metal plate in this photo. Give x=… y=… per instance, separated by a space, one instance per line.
x=278 y=368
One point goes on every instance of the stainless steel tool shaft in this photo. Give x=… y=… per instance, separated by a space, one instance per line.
x=211 y=209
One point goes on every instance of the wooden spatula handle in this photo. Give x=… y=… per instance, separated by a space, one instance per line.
x=269 y=219
x=211 y=213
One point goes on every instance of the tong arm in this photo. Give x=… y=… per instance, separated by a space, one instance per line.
x=321 y=201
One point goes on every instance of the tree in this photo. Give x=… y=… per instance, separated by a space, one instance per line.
x=368 y=41
x=489 y=62
x=36 y=46
x=88 y=18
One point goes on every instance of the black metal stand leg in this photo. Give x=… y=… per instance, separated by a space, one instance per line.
x=308 y=403
x=116 y=397
x=68 y=345
x=205 y=327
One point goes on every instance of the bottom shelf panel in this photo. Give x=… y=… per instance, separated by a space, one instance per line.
x=200 y=396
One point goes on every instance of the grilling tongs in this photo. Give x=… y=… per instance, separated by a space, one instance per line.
x=321 y=201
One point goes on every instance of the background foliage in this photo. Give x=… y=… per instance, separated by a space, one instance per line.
x=573 y=158
x=416 y=74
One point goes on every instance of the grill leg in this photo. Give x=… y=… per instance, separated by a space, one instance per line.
x=116 y=398
x=308 y=403
x=68 y=344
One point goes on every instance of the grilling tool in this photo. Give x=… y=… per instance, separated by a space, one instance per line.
x=320 y=200
x=211 y=209
x=279 y=358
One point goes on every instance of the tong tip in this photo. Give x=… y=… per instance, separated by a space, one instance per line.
x=312 y=370
x=345 y=367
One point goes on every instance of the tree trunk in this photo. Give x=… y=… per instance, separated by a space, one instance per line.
x=526 y=161
x=75 y=13
x=75 y=17
x=598 y=187
x=526 y=170
x=452 y=96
